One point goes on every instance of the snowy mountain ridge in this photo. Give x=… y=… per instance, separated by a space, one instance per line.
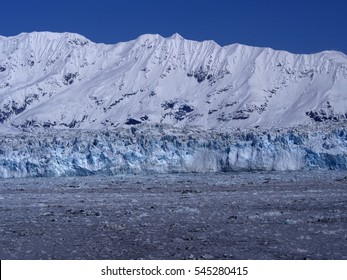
x=63 y=80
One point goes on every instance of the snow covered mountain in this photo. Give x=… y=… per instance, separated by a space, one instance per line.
x=53 y=80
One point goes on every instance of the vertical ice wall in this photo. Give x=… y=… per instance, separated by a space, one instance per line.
x=152 y=150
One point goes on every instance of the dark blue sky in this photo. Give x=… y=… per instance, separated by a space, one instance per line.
x=298 y=26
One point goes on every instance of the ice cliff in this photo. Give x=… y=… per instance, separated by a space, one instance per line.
x=162 y=149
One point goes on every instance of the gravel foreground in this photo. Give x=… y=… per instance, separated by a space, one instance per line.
x=248 y=215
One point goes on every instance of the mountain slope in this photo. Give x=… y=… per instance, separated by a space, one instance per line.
x=54 y=80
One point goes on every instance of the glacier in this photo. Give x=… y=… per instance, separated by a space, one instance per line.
x=167 y=149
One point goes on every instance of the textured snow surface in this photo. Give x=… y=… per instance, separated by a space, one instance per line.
x=63 y=80
x=164 y=149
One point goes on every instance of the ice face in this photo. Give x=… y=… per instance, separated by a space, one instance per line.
x=167 y=150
